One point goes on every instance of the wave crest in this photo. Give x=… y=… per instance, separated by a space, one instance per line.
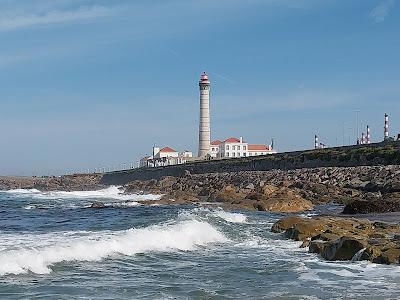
x=184 y=236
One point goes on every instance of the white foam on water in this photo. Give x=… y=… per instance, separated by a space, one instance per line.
x=363 y=275
x=29 y=207
x=21 y=191
x=112 y=196
x=184 y=236
x=112 y=192
x=231 y=217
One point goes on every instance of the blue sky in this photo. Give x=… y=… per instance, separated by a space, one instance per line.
x=86 y=84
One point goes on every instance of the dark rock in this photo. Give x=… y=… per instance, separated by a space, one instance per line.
x=317 y=246
x=343 y=248
x=286 y=223
x=367 y=207
x=98 y=204
x=390 y=256
x=380 y=225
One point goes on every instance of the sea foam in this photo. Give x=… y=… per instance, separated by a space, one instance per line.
x=112 y=192
x=231 y=217
x=184 y=236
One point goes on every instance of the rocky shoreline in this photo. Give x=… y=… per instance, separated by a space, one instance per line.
x=285 y=190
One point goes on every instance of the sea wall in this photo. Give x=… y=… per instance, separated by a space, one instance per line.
x=387 y=153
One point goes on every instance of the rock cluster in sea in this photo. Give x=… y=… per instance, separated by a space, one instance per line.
x=344 y=238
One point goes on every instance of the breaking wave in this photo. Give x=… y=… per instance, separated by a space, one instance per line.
x=112 y=192
x=184 y=236
x=231 y=217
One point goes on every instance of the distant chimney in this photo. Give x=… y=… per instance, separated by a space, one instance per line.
x=241 y=139
x=316 y=143
x=386 y=127
x=368 y=135
x=362 y=138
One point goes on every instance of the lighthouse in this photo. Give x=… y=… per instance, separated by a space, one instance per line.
x=204 y=124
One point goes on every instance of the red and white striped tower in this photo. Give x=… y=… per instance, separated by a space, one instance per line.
x=386 y=127
x=368 y=135
x=316 y=143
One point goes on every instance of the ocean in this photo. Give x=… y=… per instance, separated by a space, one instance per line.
x=54 y=246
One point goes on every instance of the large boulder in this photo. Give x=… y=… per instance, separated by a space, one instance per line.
x=98 y=204
x=305 y=230
x=344 y=248
x=299 y=228
x=284 y=205
x=390 y=256
x=281 y=199
x=227 y=194
x=374 y=206
x=317 y=246
x=286 y=223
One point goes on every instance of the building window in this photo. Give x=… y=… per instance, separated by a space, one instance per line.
x=227 y=147
x=238 y=154
x=244 y=147
x=244 y=154
x=227 y=154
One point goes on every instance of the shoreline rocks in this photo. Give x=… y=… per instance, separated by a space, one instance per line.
x=364 y=189
x=344 y=239
x=372 y=206
x=281 y=190
x=76 y=182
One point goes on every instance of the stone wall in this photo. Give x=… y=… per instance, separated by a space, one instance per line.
x=350 y=156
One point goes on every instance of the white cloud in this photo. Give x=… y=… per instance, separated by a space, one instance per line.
x=10 y=20
x=380 y=12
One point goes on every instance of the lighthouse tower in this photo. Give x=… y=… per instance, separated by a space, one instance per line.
x=204 y=126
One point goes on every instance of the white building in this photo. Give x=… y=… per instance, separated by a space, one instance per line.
x=164 y=152
x=259 y=149
x=235 y=147
x=165 y=156
x=214 y=148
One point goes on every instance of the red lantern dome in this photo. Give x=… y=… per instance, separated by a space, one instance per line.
x=204 y=76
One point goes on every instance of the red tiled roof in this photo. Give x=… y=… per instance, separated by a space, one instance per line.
x=257 y=147
x=167 y=149
x=232 y=140
x=146 y=158
x=216 y=142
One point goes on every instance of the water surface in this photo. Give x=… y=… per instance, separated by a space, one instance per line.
x=53 y=246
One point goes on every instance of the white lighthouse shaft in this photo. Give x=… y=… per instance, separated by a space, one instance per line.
x=204 y=126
